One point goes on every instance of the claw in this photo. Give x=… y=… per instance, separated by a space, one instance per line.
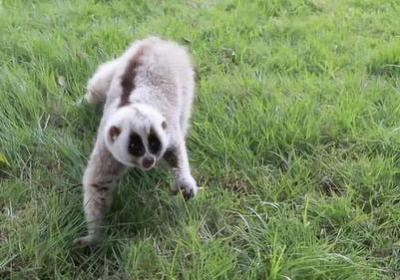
x=87 y=242
x=185 y=185
x=187 y=194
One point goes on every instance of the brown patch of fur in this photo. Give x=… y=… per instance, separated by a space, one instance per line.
x=171 y=158
x=103 y=189
x=128 y=78
x=102 y=186
x=96 y=186
x=114 y=132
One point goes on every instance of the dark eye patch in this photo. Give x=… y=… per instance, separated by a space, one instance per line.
x=135 y=146
x=154 y=142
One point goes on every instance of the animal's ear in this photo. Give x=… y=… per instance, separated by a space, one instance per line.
x=164 y=125
x=113 y=133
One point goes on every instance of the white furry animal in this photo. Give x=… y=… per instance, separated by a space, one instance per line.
x=147 y=94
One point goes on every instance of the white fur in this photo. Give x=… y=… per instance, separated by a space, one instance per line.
x=138 y=118
x=163 y=92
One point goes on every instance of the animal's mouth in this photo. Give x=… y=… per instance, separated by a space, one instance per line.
x=147 y=168
x=148 y=163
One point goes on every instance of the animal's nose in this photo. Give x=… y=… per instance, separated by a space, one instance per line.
x=147 y=162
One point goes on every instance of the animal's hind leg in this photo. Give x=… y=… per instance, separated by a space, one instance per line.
x=100 y=82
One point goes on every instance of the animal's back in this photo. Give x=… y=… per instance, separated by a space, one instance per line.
x=165 y=78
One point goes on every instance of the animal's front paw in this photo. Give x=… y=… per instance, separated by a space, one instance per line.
x=186 y=185
x=86 y=241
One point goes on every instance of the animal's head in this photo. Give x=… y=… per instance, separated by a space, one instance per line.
x=136 y=136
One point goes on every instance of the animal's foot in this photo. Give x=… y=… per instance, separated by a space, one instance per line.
x=186 y=185
x=86 y=241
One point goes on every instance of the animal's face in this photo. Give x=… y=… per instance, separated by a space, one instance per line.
x=136 y=137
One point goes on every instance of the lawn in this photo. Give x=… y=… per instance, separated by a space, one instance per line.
x=295 y=141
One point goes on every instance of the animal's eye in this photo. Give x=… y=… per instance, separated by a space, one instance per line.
x=154 y=142
x=135 y=146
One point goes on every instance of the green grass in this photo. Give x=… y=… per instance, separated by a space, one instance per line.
x=295 y=141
